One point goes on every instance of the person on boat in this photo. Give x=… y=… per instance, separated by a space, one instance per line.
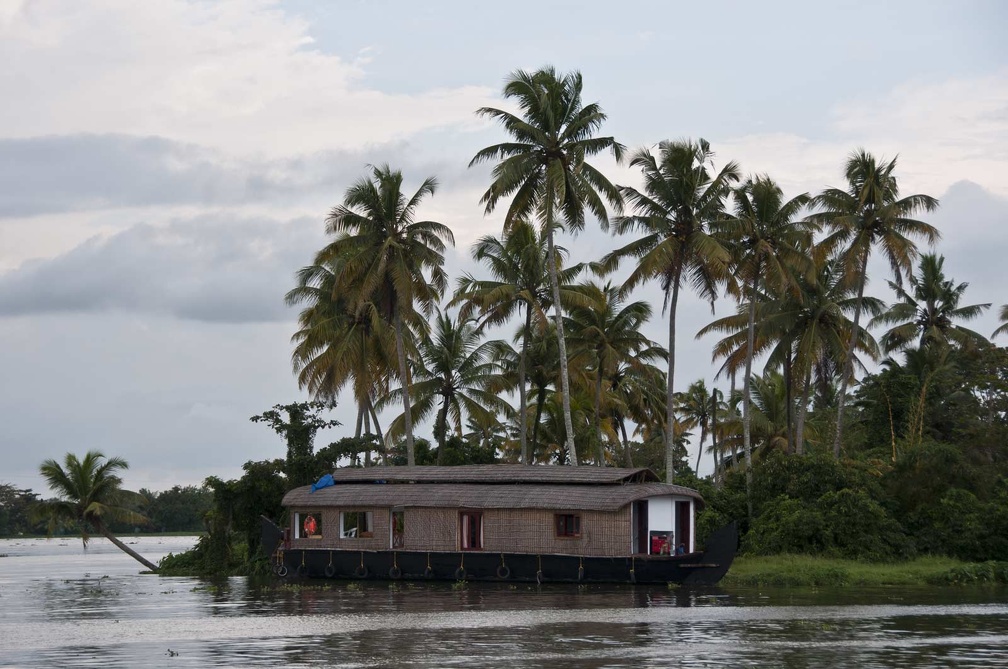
x=310 y=526
x=666 y=546
x=681 y=550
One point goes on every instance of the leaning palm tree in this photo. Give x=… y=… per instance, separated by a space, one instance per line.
x=518 y=265
x=926 y=314
x=388 y=259
x=544 y=172
x=89 y=493
x=771 y=250
x=870 y=213
x=682 y=197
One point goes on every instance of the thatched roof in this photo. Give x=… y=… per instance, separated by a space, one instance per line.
x=560 y=497
x=496 y=474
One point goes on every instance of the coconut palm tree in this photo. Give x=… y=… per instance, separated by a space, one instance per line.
x=683 y=195
x=518 y=264
x=926 y=313
x=388 y=259
x=637 y=394
x=456 y=370
x=337 y=344
x=605 y=332
x=771 y=249
x=89 y=493
x=543 y=170
x=870 y=213
x=810 y=328
x=1003 y=329
x=694 y=407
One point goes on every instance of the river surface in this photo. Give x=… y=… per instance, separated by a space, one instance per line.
x=62 y=607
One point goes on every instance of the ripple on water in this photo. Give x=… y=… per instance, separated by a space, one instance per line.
x=62 y=607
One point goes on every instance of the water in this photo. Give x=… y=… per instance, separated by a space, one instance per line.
x=62 y=607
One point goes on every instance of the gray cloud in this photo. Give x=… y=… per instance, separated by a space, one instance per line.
x=44 y=175
x=205 y=269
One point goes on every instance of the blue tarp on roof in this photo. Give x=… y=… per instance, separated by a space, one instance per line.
x=323 y=482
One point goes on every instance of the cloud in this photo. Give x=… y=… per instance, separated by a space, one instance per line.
x=243 y=77
x=44 y=175
x=942 y=132
x=205 y=269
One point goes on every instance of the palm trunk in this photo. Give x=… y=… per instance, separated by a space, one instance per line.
x=404 y=373
x=540 y=403
x=788 y=401
x=669 y=394
x=746 y=384
x=848 y=368
x=713 y=434
x=703 y=438
x=892 y=426
x=802 y=410
x=558 y=315
x=627 y=457
x=378 y=431
x=598 y=416
x=367 y=433
x=522 y=399
x=104 y=531
x=441 y=429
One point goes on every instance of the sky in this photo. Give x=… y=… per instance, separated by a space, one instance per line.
x=166 y=168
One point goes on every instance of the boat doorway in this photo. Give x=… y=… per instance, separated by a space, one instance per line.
x=397 y=522
x=640 y=526
x=471 y=530
x=684 y=521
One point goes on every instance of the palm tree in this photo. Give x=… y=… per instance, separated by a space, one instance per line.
x=694 y=407
x=543 y=170
x=810 y=328
x=383 y=254
x=870 y=213
x=682 y=197
x=338 y=344
x=771 y=250
x=89 y=492
x=928 y=311
x=605 y=333
x=456 y=370
x=1004 y=322
x=637 y=394
x=518 y=264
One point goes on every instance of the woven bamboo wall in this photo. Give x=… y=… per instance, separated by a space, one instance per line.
x=504 y=530
x=331 y=530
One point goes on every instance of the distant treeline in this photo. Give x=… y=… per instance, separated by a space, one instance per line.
x=179 y=509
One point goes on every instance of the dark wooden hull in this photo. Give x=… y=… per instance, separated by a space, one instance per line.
x=707 y=567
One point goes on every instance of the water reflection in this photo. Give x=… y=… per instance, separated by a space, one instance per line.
x=62 y=607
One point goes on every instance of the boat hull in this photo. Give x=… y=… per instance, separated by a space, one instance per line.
x=707 y=567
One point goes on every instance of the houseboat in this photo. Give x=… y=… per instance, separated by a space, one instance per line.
x=497 y=523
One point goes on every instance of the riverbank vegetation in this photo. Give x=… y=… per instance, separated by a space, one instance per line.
x=850 y=423
x=812 y=571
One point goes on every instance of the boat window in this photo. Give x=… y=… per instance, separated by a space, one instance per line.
x=308 y=525
x=568 y=525
x=356 y=525
x=471 y=530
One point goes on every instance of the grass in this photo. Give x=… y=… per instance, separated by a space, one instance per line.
x=807 y=570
